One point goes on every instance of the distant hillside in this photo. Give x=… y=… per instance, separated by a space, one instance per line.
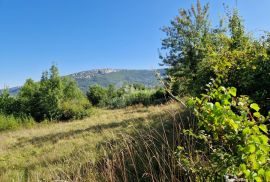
x=117 y=77
x=12 y=91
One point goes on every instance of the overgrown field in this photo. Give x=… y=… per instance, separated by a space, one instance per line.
x=68 y=151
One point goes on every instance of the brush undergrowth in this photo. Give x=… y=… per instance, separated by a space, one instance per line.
x=12 y=122
x=149 y=153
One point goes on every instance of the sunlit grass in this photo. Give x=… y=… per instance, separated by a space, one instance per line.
x=65 y=150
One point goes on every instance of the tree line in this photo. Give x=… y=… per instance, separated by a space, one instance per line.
x=56 y=98
x=52 y=98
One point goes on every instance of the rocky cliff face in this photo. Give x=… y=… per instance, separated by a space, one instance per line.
x=92 y=73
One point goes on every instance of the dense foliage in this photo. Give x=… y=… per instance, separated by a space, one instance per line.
x=231 y=132
x=53 y=98
x=8 y=122
x=127 y=95
x=197 y=51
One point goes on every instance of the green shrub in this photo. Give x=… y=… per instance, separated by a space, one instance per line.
x=127 y=95
x=74 y=104
x=233 y=135
x=97 y=95
x=74 y=110
x=11 y=122
x=139 y=97
x=159 y=96
x=8 y=122
x=8 y=104
x=117 y=102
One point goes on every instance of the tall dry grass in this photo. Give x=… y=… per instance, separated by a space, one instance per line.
x=149 y=153
x=72 y=151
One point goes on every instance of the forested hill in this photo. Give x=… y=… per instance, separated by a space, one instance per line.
x=118 y=77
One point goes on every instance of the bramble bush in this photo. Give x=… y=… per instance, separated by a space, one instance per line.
x=232 y=134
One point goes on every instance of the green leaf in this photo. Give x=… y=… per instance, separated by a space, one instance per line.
x=210 y=105
x=233 y=124
x=232 y=91
x=255 y=138
x=191 y=102
x=265 y=148
x=257 y=114
x=263 y=128
x=262 y=159
x=255 y=165
x=247 y=173
x=251 y=148
x=246 y=131
x=261 y=172
x=243 y=167
x=217 y=104
x=258 y=179
x=267 y=175
x=180 y=148
x=255 y=107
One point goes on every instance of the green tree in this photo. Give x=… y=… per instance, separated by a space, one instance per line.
x=186 y=45
x=28 y=97
x=111 y=92
x=97 y=95
x=74 y=104
x=51 y=93
x=8 y=104
x=197 y=52
x=53 y=98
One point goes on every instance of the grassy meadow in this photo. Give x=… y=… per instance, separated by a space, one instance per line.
x=205 y=117
x=68 y=151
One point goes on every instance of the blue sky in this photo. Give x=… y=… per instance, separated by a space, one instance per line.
x=80 y=35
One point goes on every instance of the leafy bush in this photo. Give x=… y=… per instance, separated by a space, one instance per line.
x=74 y=110
x=127 y=95
x=139 y=97
x=97 y=95
x=74 y=104
x=11 y=122
x=8 y=104
x=117 y=102
x=232 y=134
x=159 y=96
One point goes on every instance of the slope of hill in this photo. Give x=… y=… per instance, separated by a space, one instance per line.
x=117 y=77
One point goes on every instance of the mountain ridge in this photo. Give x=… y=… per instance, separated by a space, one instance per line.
x=107 y=76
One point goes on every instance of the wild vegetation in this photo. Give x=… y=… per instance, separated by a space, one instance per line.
x=56 y=98
x=200 y=52
x=218 y=129
x=53 y=98
x=217 y=66
x=225 y=72
x=127 y=95
x=72 y=151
